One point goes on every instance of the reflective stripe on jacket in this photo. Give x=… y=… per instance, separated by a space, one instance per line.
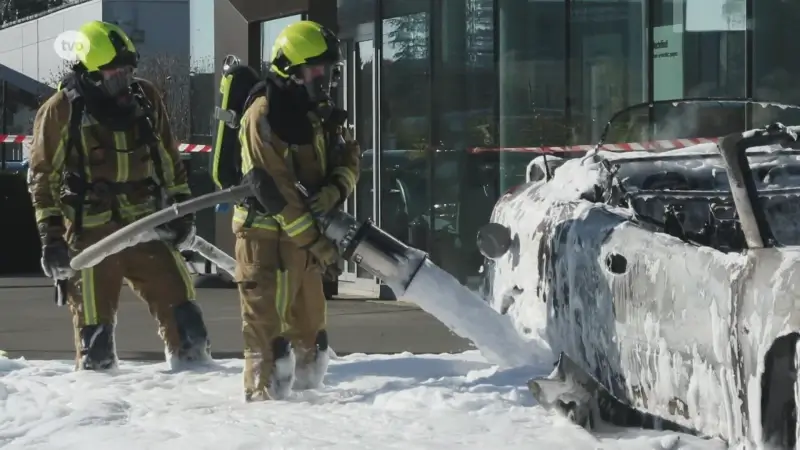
x=286 y=164
x=121 y=159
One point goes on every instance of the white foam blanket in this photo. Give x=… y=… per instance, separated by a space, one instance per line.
x=398 y=401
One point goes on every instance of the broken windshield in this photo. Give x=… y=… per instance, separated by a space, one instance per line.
x=686 y=167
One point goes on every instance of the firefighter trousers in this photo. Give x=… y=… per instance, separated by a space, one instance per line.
x=281 y=295
x=155 y=271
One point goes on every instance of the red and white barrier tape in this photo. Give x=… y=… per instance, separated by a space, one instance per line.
x=184 y=148
x=194 y=148
x=670 y=144
x=14 y=138
x=623 y=147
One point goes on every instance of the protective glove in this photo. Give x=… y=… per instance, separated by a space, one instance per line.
x=178 y=231
x=326 y=257
x=332 y=272
x=55 y=260
x=325 y=200
x=181 y=230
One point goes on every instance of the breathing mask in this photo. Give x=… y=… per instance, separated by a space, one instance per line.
x=319 y=79
x=113 y=82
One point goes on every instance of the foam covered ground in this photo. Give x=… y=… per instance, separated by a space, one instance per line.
x=371 y=402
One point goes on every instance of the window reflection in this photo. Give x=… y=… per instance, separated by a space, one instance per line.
x=700 y=52
x=776 y=67
x=607 y=66
x=362 y=117
x=364 y=98
x=201 y=36
x=356 y=14
x=532 y=82
x=201 y=85
x=405 y=122
x=465 y=90
x=20 y=107
x=706 y=43
x=202 y=98
x=19 y=110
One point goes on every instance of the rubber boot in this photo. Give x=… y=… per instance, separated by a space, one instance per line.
x=283 y=377
x=312 y=365
x=195 y=346
x=98 y=350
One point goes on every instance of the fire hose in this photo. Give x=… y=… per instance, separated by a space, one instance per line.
x=143 y=230
x=362 y=243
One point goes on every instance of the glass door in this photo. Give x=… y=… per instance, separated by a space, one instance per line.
x=357 y=94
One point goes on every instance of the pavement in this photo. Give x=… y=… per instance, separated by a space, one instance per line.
x=31 y=325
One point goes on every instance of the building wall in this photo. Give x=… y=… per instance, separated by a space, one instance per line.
x=155 y=26
x=230 y=38
x=28 y=47
x=501 y=75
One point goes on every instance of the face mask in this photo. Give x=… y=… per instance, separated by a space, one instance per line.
x=115 y=82
x=318 y=80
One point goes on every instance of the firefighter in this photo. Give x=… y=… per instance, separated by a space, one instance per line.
x=292 y=133
x=103 y=156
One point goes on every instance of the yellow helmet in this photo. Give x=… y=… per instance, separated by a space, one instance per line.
x=109 y=59
x=109 y=47
x=303 y=43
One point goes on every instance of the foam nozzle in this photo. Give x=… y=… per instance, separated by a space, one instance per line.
x=374 y=250
x=494 y=240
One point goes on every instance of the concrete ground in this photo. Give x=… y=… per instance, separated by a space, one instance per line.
x=31 y=325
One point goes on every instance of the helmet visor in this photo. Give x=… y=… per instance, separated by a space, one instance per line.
x=116 y=81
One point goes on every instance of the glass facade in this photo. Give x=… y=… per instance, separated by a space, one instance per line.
x=202 y=98
x=203 y=92
x=17 y=111
x=407 y=157
x=564 y=69
x=18 y=108
x=201 y=38
x=775 y=69
x=431 y=99
x=464 y=88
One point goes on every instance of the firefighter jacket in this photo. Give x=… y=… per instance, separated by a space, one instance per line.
x=104 y=175
x=274 y=166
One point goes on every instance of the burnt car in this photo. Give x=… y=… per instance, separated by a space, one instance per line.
x=668 y=281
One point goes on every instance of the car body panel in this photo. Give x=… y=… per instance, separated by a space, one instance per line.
x=676 y=328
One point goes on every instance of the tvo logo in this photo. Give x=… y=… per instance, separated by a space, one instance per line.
x=70 y=44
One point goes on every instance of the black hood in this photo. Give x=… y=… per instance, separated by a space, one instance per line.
x=289 y=106
x=116 y=113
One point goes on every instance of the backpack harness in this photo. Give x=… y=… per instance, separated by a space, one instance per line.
x=77 y=181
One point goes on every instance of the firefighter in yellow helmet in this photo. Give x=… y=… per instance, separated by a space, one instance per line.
x=102 y=156
x=293 y=133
